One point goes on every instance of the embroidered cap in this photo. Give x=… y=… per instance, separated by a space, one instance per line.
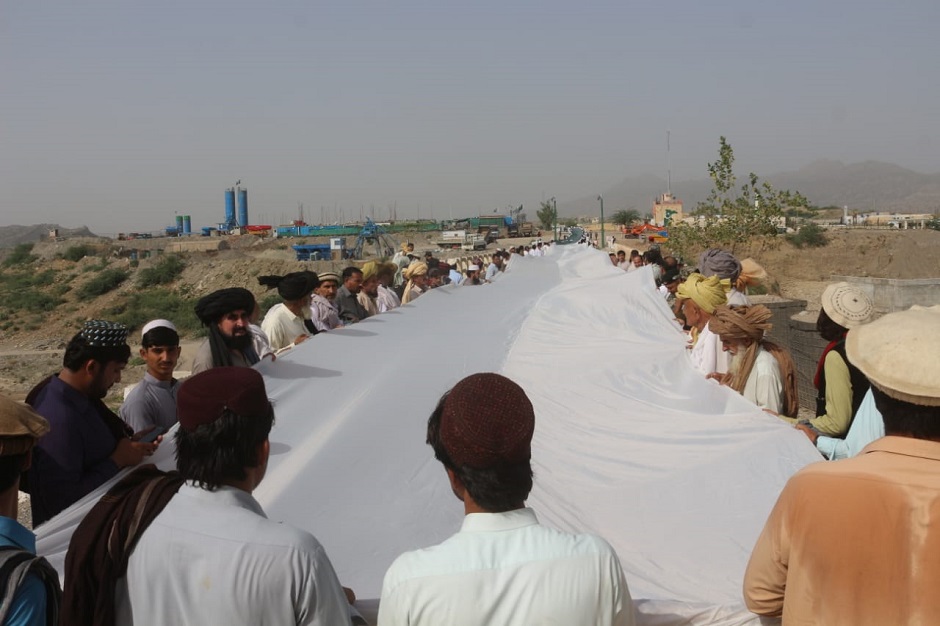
x=487 y=419
x=202 y=398
x=104 y=334
x=847 y=305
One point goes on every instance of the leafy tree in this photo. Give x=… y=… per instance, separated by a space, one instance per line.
x=546 y=216
x=625 y=217
x=810 y=236
x=731 y=216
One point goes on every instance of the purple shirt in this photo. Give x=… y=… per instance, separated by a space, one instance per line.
x=74 y=457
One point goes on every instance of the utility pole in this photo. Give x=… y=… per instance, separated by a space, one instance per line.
x=603 y=238
x=555 y=218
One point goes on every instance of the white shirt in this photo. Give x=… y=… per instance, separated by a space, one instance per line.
x=764 y=386
x=387 y=299
x=282 y=327
x=505 y=569
x=707 y=355
x=867 y=426
x=214 y=558
x=491 y=271
x=455 y=277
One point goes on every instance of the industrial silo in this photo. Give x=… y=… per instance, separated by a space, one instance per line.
x=230 y=208
x=187 y=225
x=242 y=207
x=179 y=224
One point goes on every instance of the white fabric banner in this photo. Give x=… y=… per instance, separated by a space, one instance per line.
x=631 y=443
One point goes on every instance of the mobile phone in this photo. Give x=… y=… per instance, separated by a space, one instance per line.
x=152 y=435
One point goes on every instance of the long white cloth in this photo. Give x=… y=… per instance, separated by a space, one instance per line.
x=631 y=443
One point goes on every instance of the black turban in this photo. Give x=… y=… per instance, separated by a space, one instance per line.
x=293 y=286
x=212 y=307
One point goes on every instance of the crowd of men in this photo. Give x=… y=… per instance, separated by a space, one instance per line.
x=194 y=547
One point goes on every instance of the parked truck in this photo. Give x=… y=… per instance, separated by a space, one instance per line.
x=461 y=239
x=526 y=229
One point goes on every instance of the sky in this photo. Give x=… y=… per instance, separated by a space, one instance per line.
x=120 y=115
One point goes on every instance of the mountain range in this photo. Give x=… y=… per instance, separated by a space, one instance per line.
x=863 y=187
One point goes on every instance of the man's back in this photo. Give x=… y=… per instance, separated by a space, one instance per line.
x=504 y=568
x=859 y=539
x=214 y=558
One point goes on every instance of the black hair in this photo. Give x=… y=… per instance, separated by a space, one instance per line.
x=496 y=489
x=218 y=452
x=11 y=466
x=79 y=351
x=828 y=329
x=160 y=336
x=350 y=271
x=434 y=272
x=654 y=256
x=907 y=419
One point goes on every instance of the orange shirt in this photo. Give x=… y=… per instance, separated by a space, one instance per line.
x=854 y=541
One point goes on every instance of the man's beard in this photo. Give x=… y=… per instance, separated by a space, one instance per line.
x=237 y=342
x=734 y=364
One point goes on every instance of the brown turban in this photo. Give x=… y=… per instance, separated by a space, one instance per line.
x=745 y=323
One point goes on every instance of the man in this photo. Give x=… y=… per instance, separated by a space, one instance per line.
x=473 y=275
x=503 y=567
x=455 y=276
x=88 y=443
x=760 y=370
x=727 y=268
x=287 y=323
x=856 y=541
x=152 y=402
x=226 y=314
x=30 y=585
x=369 y=293
x=700 y=297
x=670 y=285
x=622 y=259
x=840 y=385
x=350 y=311
x=494 y=268
x=322 y=303
x=211 y=556
x=636 y=260
x=387 y=298
x=417 y=276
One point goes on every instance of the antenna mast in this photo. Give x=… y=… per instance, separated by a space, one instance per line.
x=668 y=166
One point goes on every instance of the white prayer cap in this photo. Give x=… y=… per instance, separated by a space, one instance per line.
x=157 y=324
x=473 y=268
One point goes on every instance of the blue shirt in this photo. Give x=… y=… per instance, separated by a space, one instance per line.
x=74 y=457
x=867 y=426
x=29 y=603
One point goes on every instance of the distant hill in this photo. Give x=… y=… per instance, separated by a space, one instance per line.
x=865 y=186
x=13 y=235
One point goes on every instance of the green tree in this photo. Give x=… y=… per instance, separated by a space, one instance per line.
x=546 y=216
x=625 y=217
x=731 y=216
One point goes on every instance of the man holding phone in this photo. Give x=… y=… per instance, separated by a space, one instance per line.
x=152 y=402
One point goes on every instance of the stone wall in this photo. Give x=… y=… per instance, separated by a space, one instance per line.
x=891 y=294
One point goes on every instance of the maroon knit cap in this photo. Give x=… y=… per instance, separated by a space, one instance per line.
x=487 y=419
x=202 y=398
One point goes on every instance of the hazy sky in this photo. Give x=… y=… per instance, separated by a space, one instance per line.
x=119 y=114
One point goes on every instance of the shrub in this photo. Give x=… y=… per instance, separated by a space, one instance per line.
x=143 y=306
x=77 y=253
x=20 y=255
x=101 y=284
x=32 y=300
x=267 y=302
x=809 y=236
x=163 y=272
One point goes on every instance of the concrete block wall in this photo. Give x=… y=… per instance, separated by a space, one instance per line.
x=891 y=294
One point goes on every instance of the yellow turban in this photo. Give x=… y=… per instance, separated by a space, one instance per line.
x=369 y=270
x=418 y=268
x=708 y=293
